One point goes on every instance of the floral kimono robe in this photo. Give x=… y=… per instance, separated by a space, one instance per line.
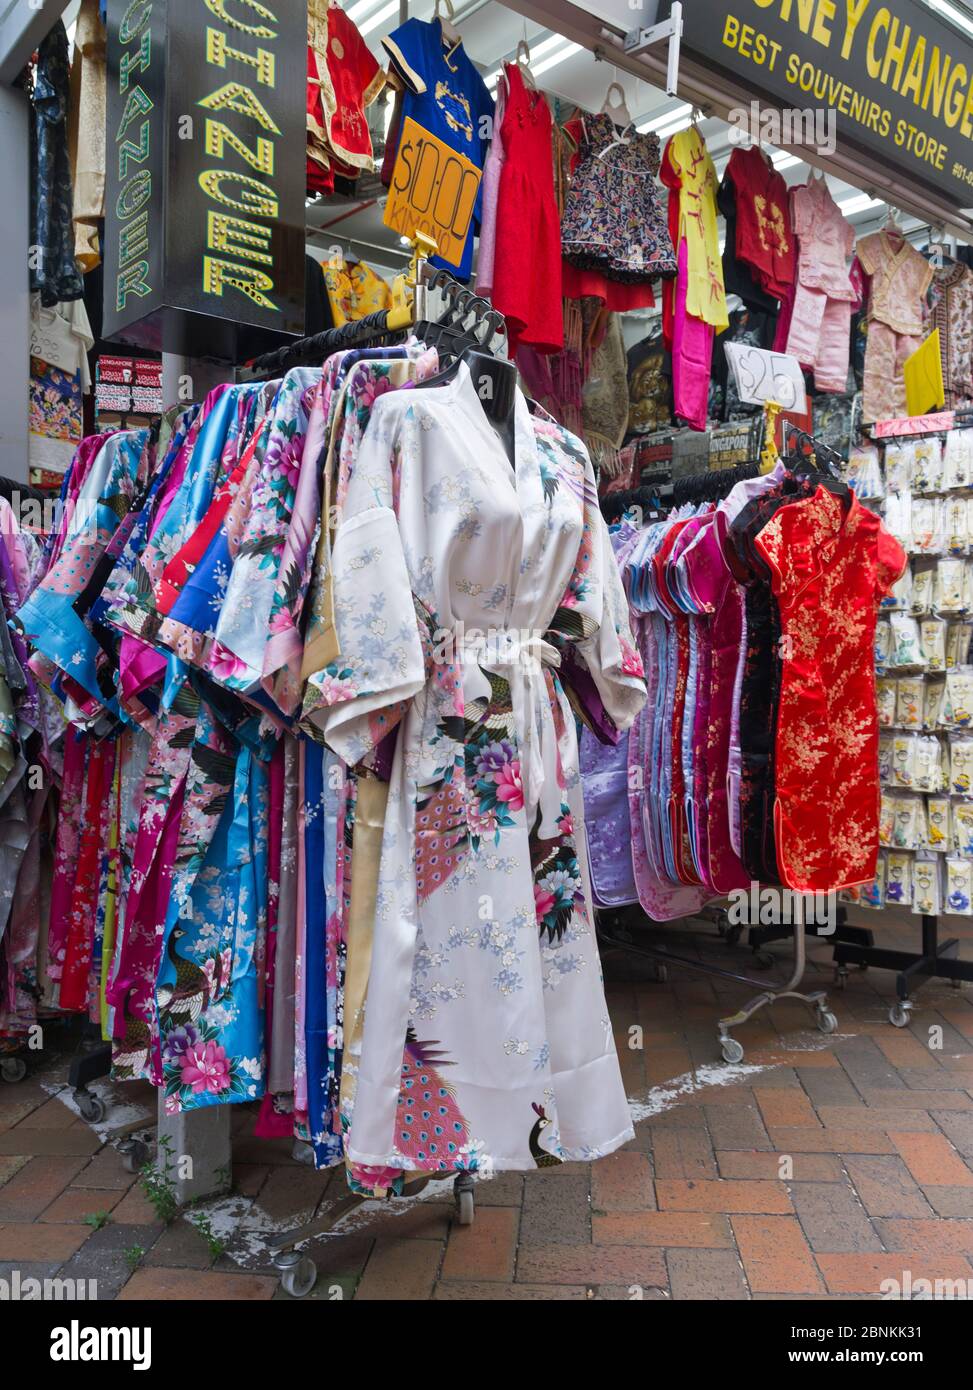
x=485 y=1025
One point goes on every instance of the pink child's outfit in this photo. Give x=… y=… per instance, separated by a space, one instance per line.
x=900 y=278
x=820 y=322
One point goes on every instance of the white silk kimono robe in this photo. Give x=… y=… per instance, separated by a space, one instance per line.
x=458 y=582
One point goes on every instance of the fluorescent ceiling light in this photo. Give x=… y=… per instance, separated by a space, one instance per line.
x=358 y=11
x=861 y=202
x=951 y=12
x=537 y=50
x=678 y=113
x=665 y=131
x=380 y=16
x=567 y=52
x=783 y=160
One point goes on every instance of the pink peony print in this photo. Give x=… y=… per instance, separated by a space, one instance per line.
x=334 y=689
x=509 y=786
x=566 y=824
x=205 y=1068
x=631 y=661
x=543 y=901
x=223 y=664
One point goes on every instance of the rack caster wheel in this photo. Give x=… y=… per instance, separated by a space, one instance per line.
x=13 y=1068
x=956 y=984
x=661 y=974
x=732 y=934
x=92 y=1108
x=298 y=1273
x=899 y=1013
x=763 y=960
x=731 y=1049
x=840 y=977
x=827 y=1022
x=463 y=1192
x=135 y=1155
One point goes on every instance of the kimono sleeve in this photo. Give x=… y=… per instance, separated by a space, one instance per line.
x=406 y=48
x=593 y=617
x=363 y=693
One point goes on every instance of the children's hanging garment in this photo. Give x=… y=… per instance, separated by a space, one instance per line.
x=527 y=244
x=951 y=311
x=694 y=305
x=343 y=80
x=612 y=218
x=764 y=237
x=445 y=94
x=820 y=326
x=900 y=278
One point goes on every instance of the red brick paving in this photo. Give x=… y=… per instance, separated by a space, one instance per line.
x=842 y=1162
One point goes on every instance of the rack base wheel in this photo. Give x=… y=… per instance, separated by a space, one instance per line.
x=840 y=977
x=731 y=1049
x=763 y=960
x=13 y=1068
x=93 y=1108
x=135 y=1155
x=900 y=1013
x=826 y=1021
x=298 y=1273
x=463 y=1192
x=661 y=973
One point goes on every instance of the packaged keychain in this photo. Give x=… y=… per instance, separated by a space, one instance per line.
x=925 y=886
x=923 y=585
x=960 y=765
x=933 y=692
x=905 y=650
x=864 y=473
x=958 y=644
x=959 y=689
x=938 y=834
x=905 y=824
x=961 y=815
x=959 y=886
x=957 y=529
x=885 y=745
x=898 y=517
x=898 y=879
x=908 y=703
x=929 y=764
x=927 y=526
x=883 y=644
x=886 y=818
x=958 y=459
x=932 y=643
x=927 y=465
x=873 y=894
x=949 y=595
x=904 y=761
x=901 y=595
x=886 y=695
x=899 y=459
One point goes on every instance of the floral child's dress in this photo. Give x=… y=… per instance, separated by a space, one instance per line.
x=612 y=219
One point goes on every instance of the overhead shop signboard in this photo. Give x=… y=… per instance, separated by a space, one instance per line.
x=204 y=209
x=892 y=79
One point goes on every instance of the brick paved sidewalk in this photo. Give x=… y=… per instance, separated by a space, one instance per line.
x=817 y=1168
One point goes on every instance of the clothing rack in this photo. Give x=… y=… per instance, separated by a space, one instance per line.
x=616 y=927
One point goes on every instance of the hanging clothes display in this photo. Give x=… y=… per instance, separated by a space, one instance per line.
x=820 y=311
x=951 y=312
x=343 y=79
x=53 y=271
x=764 y=238
x=899 y=280
x=443 y=92
x=612 y=219
x=755 y=619
x=526 y=289
x=354 y=290
x=229 y=894
x=694 y=304
x=86 y=132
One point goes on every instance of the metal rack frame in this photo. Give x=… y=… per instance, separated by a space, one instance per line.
x=937 y=960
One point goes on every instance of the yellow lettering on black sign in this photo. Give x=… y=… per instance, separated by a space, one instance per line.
x=433 y=191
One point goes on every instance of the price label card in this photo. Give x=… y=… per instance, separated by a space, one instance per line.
x=433 y=190
x=763 y=376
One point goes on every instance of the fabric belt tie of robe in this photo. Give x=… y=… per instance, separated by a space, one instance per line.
x=522 y=658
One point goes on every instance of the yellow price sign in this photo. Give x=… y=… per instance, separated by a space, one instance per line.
x=433 y=190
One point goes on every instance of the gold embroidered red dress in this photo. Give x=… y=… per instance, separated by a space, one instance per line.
x=831 y=561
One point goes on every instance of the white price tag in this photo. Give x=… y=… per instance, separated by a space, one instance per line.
x=762 y=376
